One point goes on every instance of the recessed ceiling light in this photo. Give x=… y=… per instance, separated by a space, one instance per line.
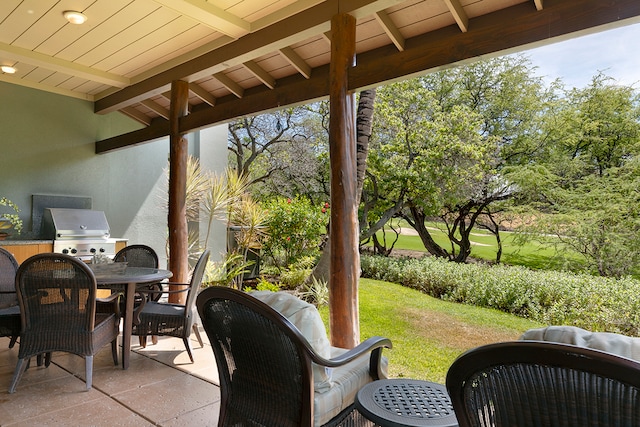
x=7 y=69
x=75 y=17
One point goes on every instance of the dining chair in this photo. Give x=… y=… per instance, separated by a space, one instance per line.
x=9 y=308
x=535 y=383
x=273 y=375
x=57 y=298
x=157 y=318
x=141 y=256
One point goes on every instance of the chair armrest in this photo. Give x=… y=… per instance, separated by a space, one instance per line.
x=110 y=304
x=374 y=345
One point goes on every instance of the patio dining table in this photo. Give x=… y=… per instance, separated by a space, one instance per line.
x=128 y=280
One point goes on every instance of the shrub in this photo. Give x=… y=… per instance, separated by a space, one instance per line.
x=552 y=297
x=296 y=229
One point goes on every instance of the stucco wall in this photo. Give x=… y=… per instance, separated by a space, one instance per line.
x=47 y=146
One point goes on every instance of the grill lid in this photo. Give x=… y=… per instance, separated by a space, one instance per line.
x=60 y=223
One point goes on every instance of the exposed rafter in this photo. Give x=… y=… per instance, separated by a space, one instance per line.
x=260 y=74
x=137 y=115
x=202 y=94
x=55 y=64
x=210 y=15
x=157 y=108
x=297 y=62
x=390 y=28
x=233 y=87
x=458 y=14
x=538 y=4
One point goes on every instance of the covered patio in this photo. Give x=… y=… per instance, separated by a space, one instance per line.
x=177 y=66
x=162 y=388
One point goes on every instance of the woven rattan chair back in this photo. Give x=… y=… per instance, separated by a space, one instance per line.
x=57 y=297
x=530 y=383
x=262 y=362
x=140 y=256
x=137 y=256
x=9 y=309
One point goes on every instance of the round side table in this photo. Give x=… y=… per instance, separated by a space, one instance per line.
x=404 y=402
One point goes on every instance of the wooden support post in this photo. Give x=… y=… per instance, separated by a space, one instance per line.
x=177 y=218
x=344 y=267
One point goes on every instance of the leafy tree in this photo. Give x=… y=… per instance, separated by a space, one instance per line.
x=588 y=199
x=281 y=152
x=442 y=142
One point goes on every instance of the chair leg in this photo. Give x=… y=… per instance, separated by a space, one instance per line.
x=187 y=344
x=143 y=341
x=197 y=332
x=154 y=339
x=88 y=371
x=14 y=338
x=114 y=350
x=43 y=359
x=20 y=368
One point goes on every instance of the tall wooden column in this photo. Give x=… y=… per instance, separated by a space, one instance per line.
x=177 y=219
x=345 y=260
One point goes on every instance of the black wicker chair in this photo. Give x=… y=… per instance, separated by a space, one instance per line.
x=57 y=297
x=533 y=383
x=265 y=364
x=141 y=256
x=9 y=308
x=157 y=318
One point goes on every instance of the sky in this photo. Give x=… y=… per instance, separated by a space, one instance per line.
x=577 y=60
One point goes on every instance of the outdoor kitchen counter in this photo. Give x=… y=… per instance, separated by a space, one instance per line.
x=10 y=242
x=23 y=249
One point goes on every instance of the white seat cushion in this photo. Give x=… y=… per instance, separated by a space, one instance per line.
x=334 y=389
x=306 y=318
x=617 y=344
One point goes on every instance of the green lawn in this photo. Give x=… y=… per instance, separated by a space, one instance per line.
x=427 y=333
x=532 y=254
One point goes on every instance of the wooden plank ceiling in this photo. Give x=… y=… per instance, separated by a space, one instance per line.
x=245 y=56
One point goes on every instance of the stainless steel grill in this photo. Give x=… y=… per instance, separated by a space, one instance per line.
x=78 y=232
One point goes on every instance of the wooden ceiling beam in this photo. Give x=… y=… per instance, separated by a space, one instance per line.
x=297 y=62
x=538 y=4
x=390 y=28
x=232 y=86
x=157 y=108
x=136 y=115
x=209 y=15
x=458 y=14
x=260 y=74
x=51 y=63
x=203 y=94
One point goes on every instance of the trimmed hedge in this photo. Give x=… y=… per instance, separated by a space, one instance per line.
x=550 y=297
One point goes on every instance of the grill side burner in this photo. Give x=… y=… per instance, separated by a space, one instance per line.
x=78 y=232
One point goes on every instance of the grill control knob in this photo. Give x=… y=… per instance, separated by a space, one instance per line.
x=73 y=251
x=92 y=250
x=65 y=251
x=102 y=250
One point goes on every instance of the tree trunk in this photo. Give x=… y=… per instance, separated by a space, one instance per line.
x=364 y=125
x=417 y=222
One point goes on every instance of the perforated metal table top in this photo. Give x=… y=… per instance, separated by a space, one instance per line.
x=404 y=402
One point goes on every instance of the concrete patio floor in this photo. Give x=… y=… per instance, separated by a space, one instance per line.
x=160 y=388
